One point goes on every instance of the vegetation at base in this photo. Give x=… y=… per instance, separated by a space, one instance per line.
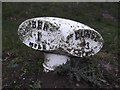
x=103 y=17
x=87 y=69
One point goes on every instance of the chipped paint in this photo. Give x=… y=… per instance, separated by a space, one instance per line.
x=53 y=60
x=51 y=33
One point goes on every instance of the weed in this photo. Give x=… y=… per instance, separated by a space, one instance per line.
x=87 y=69
x=36 y=85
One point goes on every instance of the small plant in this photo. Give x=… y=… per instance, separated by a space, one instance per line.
x=36 y=85
x=13 y=63
x=85 y=69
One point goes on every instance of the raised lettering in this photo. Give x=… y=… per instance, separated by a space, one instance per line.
x=39 y=36
x=44 y=46
x=97 y=38
x=33 y=24
x=93 y=35
x=77 y=34
x=39 y=24
x=87 y=33
x=31 y=44
x=87 y=45
x=46 y=26
x=39 y=47
x=35 y=45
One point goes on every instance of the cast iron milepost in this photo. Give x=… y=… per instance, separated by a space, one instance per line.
x=59 y=39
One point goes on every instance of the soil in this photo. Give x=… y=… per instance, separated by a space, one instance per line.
x=16 y=75
x=51 y=80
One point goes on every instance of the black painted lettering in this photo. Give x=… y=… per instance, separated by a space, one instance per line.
x=77 y=34
x=87 y=54
x=33 y=24
x=82 y=53
x=93 y=35
x=97 y=38
x=79 y=53
x=69 y=36
x=39 y=47
x=87 y=45
x=87 y=33
x=29 y=23
x=39 y=36
x=35 y=45
x=31 y=44
x=82 y=33
x=44 y=46
x=46 y=26
x=39 y=24
x=82 y=44
x=92 y=51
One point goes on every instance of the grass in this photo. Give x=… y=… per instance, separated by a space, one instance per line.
x=88 y=13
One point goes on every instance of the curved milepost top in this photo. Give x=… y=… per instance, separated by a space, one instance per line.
x=51 y=33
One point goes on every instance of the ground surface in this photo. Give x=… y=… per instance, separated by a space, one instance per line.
x=30 y=75
x=22 y=66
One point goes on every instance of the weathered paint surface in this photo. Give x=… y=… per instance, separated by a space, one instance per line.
x=54 y=60
x=51 y=33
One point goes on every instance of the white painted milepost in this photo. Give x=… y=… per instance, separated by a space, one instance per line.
x=59 y=39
